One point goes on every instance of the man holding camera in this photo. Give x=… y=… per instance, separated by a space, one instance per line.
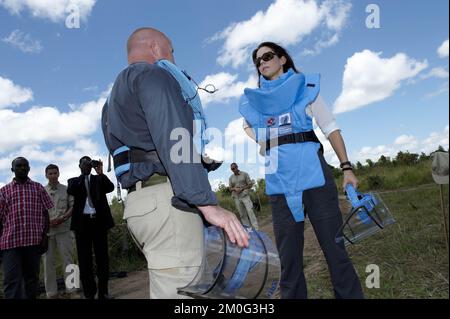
x=91 y=219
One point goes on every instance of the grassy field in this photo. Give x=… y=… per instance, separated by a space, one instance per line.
x=411 y=254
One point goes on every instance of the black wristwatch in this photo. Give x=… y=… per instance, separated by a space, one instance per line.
x=346 y=166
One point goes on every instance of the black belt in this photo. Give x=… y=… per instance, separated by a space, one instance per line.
x=153 y=180
x=135 y=156
x=302 y=137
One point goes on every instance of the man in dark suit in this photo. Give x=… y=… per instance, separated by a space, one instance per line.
x=91 y=219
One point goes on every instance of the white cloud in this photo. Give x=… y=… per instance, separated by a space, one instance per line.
x=321 y=44
x=49 y=125
x=235 y=133
x=368 y=78
x=373 y=153
x=12 y=94
x=407 y=142
x=438 y=72
x=286 y=22
x=441 y=90
x=54 y=10
x=216 y=182
x=66 y=157
x=435 y=139
x=24 y=42
x=227 y=87
x=404 y=143
x=443 y=50
x=405 y=139
x=90 y=88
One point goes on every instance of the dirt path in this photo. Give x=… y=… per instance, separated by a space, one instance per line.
x=135 y=285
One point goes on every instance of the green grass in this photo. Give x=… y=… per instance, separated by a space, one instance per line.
x=393 y=177
x=411 y=254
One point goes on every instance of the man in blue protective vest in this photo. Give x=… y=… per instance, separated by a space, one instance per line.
x=150 y=103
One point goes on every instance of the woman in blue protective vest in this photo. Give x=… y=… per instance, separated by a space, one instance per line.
x=278 y=115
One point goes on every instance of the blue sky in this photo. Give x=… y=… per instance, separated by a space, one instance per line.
x=387 y=86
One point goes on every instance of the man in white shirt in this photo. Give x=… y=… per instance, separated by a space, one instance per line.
x=91 y=220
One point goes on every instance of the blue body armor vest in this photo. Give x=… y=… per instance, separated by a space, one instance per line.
x=278 y=108
x=190 y=94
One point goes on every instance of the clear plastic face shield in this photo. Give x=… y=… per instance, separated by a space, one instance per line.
x=231 y=272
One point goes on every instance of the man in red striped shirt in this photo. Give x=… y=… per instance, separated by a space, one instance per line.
x=24 y=206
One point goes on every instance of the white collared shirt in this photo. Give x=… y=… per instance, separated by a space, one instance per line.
x=88 y=209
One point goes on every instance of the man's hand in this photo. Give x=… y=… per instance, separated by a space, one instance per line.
x=55 y=222
x=99 y=168
x=225 y=219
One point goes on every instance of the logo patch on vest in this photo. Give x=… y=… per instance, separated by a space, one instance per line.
x=270 y=121
x=285 y=119
x=285 y=124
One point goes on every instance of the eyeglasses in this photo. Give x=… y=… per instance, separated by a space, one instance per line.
x=265 y=57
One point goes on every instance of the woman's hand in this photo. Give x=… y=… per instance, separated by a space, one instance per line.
x=349 y=178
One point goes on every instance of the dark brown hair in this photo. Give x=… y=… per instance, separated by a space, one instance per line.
x=280 y=52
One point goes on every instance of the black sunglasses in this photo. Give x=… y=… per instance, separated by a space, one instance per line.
x=265 y=57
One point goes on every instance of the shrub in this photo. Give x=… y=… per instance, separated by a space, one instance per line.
x=375 y=181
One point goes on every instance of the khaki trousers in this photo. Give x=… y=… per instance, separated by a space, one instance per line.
x=170 y=239
x=245 y=207
x=62 y=242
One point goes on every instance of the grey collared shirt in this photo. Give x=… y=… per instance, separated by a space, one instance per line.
x=242 y=179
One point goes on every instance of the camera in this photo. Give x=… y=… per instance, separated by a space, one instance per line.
x=95 y=163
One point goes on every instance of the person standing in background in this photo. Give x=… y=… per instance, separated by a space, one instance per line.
x=60 y=235
x=240 y=184
x=91 y=220
x=24 y=206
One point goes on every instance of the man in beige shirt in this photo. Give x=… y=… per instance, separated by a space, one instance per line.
x=60 y=235
x=240 y=184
